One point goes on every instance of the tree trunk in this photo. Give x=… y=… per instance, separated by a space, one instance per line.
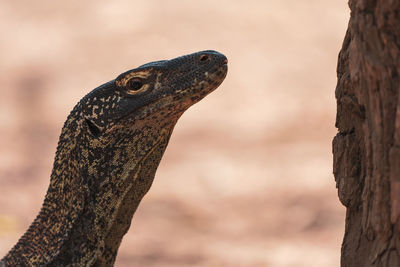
x=367 y=148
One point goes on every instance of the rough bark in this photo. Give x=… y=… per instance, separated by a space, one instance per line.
x=367 y=147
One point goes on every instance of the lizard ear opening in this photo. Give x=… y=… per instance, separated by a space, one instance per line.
x=93 y=129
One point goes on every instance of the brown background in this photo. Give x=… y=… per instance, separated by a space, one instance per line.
x=247 y=178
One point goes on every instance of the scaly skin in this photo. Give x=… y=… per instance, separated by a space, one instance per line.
x=106 y=159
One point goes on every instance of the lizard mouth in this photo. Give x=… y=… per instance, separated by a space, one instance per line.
x=217 y=76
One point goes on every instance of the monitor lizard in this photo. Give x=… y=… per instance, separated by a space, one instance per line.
x=107 y=155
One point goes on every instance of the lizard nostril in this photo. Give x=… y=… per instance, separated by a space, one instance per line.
x=204 y=58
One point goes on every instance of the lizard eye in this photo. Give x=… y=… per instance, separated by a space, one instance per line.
x=204 y=58
x=134 y=84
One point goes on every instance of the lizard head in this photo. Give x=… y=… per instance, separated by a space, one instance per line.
x=177 y=83
x=166 y=87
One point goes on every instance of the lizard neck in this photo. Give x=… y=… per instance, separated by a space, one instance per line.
x=107 y=214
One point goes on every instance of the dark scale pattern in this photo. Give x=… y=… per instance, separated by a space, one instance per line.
x=106 y=159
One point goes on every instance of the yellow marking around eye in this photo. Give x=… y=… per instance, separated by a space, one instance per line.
x=133 y=74
x=142 y=89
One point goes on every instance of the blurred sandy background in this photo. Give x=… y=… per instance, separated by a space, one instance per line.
x=247 y=178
